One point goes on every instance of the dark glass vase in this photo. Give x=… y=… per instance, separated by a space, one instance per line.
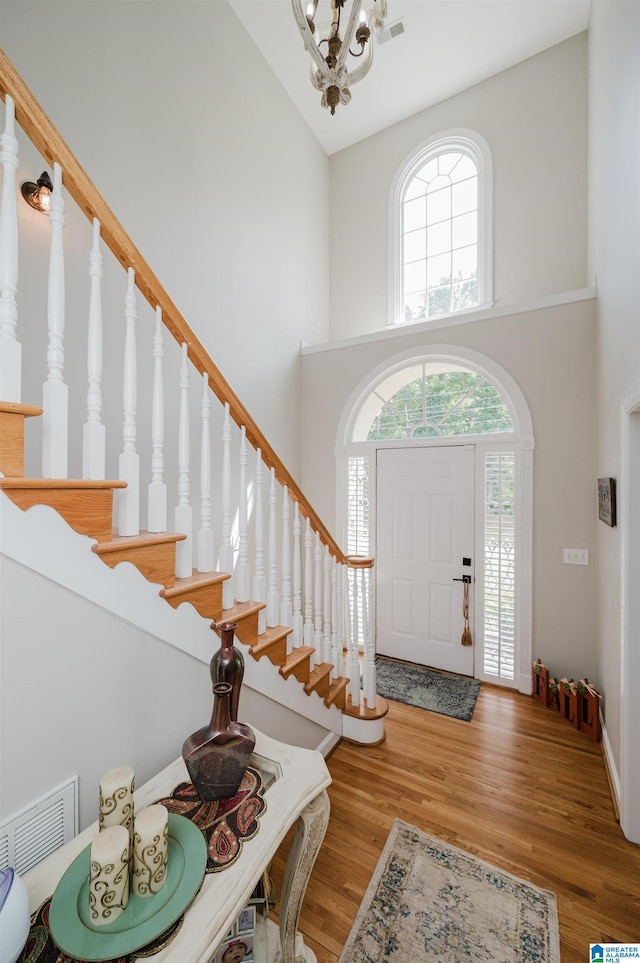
x=217 y=755
x=227 y=665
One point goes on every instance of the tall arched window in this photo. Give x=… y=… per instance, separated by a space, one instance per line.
x=441 y=229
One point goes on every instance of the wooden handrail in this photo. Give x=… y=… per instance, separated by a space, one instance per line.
x=45 y=137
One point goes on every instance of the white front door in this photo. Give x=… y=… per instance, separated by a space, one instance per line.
x=425 y=533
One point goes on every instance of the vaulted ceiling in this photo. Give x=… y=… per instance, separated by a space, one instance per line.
x=446 y=46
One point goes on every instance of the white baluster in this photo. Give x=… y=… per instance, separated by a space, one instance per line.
x=10 y=348
x=93 y=432
x=355 y=664
x=307 y=634
x=129 y=461
x=296 y=622
x=226 y=547
x=326 y=637
x=259 y=579
x=335 y=656
x=243 y=575
x=157 y=490
x=183 y=515
x=205 y=533
x=273 y=599
x=369 y=663
x=286 y=610
x=317 y=603
x=55 y=394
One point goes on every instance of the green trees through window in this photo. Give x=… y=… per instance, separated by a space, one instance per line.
x=441 y=404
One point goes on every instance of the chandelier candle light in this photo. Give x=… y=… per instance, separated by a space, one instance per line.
x=329 y=48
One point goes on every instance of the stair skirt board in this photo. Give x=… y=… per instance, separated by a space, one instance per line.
x=41 y=540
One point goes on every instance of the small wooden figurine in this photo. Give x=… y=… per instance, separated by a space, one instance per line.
x=554 y=694
x=568 y=696
x=540 y=682
x=589 y=709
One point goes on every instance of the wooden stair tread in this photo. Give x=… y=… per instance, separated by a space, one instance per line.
x=337 y=694
x=56 y=484
x=15 y=408
x=194 y=581
x=273 y=638
x=143 y=540
x=86 y=505
x=241 y=610
x=298 y=663
x=361 y=712
x=319 y=679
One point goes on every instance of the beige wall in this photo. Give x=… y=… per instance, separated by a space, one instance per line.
x=195 y=146
x=534 y=117
x=550 y=355
x=614 y=198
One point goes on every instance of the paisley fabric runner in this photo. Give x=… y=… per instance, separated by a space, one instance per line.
x=225 y=823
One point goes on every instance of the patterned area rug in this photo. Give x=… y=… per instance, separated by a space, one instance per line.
x=450 y=695
x=428 y=901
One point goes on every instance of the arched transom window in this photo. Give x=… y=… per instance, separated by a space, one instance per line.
x=432 y=400
x=440 y=221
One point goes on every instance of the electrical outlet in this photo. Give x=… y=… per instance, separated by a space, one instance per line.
x=575 y=556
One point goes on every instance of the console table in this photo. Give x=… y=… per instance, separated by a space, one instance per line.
x=296 y=781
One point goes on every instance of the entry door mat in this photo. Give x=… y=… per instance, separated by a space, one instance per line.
x=430 y=901
x=450 y=695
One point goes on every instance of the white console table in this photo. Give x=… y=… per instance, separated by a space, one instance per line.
x=296 y=782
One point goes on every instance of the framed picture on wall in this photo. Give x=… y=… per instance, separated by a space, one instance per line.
x=607 y=501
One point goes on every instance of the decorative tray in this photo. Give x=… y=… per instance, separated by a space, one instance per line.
x=144 y=919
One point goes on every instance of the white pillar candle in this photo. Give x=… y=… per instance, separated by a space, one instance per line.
x=116 y=799
x=109 y=875
x=150 y=850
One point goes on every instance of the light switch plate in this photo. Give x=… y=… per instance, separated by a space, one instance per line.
x=575 y=556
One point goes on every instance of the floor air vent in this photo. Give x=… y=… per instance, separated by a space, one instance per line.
x=37 y=832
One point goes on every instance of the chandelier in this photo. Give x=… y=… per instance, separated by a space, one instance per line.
x=331 y=71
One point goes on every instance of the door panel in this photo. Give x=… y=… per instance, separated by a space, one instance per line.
x=425 y=526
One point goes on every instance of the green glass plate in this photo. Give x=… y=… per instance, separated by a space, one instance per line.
x=143 y=919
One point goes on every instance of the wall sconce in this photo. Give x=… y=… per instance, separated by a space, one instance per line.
x=38 y=195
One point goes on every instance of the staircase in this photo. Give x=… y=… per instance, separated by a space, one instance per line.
x=305 y=606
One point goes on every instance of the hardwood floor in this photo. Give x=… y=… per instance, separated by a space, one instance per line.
x=517 y=786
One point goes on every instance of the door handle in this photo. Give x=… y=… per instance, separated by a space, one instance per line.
x=465 y=578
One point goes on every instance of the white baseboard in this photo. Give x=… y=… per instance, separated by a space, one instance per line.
x=329 y=743
x=614 y=778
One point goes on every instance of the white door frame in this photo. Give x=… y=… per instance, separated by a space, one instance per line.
x=629 y=520
x=522 y=441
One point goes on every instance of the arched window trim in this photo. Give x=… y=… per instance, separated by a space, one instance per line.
x=473 y=144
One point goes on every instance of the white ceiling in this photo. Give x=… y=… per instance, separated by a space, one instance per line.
x=447 y=46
